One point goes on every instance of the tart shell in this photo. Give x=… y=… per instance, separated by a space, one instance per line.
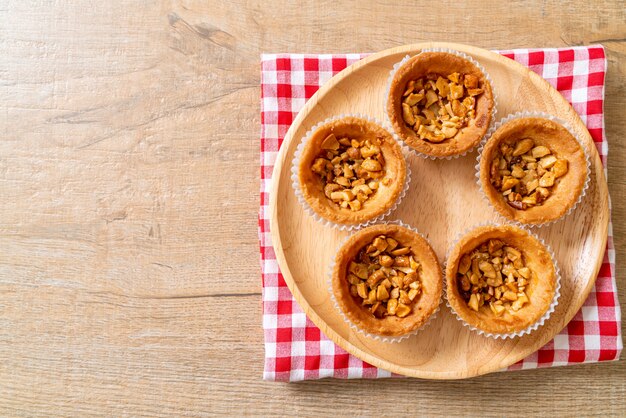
x=312 y=186
x=541 y=291
x=564 y=194
x=430 y=276
x=441 y=63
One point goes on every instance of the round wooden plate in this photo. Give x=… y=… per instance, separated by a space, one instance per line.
x=443 y=200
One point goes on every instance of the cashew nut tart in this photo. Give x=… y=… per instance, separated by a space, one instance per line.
x=532 y=170
x=440 y=104
x=351 y=171
x=387 y=280
x=500 y=279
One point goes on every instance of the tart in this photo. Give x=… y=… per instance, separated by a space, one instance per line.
x=351 y=171
x=500 y=279
x=387 y=280
x=532 y=170
x=440 y=104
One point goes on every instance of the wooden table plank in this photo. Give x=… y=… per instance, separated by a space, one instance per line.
x=129 y=270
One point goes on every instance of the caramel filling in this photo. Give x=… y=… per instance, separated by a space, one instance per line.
x=494 y=274
x=351 y=170
x=436 y=107
x=525 y=174
x=384 y=277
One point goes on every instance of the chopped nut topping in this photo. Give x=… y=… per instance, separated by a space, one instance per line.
x=436 y=107
x=525 y=173
x=350 y=169
x=384 y=277
x=494 y=274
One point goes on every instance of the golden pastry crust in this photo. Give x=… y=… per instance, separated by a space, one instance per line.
x=440 y=63
x=560 y=141
x=388 y=191
x=540 y=291
x=430 y=276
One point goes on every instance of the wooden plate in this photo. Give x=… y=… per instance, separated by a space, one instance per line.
x=443 y=200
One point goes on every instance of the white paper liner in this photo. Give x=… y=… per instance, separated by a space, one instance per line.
x=497 y=126
x=530 y=328
x=383 y=338
x=298 y=190
x=396 y=66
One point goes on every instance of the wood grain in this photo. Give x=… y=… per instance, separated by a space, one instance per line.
x=129 y=276
x=442 y=207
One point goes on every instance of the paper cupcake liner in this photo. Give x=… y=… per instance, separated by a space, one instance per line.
x=497 y=126
x=383 y=338
x=298 y=189
x=392 y=73
x=530 y=328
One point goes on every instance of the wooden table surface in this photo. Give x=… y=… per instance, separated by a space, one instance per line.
x=129 y=266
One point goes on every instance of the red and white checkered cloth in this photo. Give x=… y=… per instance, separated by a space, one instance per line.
x=295 y=349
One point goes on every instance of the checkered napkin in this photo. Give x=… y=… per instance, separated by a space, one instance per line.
x=295 y=349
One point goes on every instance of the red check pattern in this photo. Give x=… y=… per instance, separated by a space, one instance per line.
x=295 y=349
